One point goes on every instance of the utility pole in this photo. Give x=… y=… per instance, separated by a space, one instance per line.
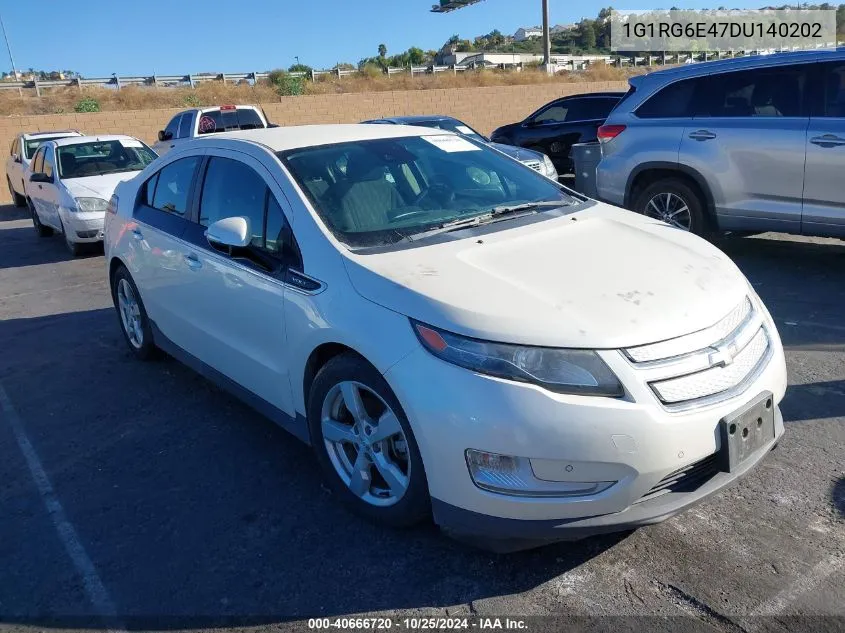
x=547 y=40
x=9 y=48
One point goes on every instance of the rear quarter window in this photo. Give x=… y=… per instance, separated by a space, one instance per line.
x=672 y=102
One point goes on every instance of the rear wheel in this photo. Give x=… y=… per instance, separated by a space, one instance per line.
x=673 y=201
x=365 y=445
x=134 y=322
x=18 y=199
x=40 y=229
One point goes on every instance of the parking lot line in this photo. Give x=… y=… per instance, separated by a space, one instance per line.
x=94 y=587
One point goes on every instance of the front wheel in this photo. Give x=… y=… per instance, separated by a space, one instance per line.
x=365 y=445
x=40 y=229
x=134 y=322
x=673 y=201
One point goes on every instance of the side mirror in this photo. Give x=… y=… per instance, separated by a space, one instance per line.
x=229 y=233
x=16 y=158
x=40 y=177
x=164 y=136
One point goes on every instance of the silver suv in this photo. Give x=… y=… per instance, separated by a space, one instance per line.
x=748 y=145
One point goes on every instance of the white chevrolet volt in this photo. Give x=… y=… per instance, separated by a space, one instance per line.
x=455 y=335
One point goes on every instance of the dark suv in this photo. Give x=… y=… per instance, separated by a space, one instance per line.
x=557 y=126
x=750 y=144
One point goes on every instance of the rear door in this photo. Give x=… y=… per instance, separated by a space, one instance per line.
x=157 y=252
x=35 y=190
x=749 y=144
x=824 y=195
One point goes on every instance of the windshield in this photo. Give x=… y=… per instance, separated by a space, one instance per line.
x=378 y=192
x=103 y=157
x=30 y=145
x=452 y=125
x=227 y=120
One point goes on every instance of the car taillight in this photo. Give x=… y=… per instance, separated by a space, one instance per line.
x=226 y=108
x=112 y=208
x=609 y=132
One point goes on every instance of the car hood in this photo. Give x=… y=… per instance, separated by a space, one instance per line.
x=97 y=186
x=598 y=278
x=519 y=153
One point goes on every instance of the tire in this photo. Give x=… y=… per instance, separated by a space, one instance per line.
x=376 y=499
x=140 y=341
x=18 y=200
x=74 y=248
x=650 y=202
x=40 y=229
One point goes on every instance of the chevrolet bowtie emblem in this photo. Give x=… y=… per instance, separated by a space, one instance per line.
x=722 y=355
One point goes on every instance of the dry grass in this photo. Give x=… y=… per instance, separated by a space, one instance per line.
x=63 y=100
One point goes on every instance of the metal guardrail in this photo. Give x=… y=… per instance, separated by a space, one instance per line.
x=191 y=80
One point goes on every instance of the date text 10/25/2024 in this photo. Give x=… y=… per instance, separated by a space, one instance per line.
x=418 y=624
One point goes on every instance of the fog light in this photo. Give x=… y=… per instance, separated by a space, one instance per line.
x=511 y=475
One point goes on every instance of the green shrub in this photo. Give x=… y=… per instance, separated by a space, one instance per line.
x=286 y=85
x=88 y=104
x=192 y=101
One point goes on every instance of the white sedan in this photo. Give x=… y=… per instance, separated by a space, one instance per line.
x=453 y=333
x=70 y=180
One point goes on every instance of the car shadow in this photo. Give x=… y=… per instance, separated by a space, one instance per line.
x=198 y=512
x=9 y=212
x=814 y=401
x=23 y=247
x=838 y=495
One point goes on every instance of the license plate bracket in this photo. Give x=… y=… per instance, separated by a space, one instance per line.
x=745 y=431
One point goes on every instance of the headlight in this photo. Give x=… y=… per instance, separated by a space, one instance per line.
x=91 y=204
x=551 y=172
x=573 y=371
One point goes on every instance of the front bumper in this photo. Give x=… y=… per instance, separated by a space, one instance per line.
x=83 y=226
x=633 y=441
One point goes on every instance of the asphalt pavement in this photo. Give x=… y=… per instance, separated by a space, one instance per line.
x=138 y=495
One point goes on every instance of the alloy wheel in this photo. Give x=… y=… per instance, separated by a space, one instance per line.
x=670 y=208
x=365 y=443
x=130 y=314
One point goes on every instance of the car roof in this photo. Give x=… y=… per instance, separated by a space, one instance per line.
x=33 y=135
x=607 y=93
x=76 y=140
x=739 y=63
x=301 y=136
x=416 y=118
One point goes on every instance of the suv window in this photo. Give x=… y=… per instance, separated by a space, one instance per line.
x=596 y=108
x=763 y=92
x=185 y=125
x=225 y=120
x=672 y=102
x=172 y=128
x=834 y=93
x=173 y=184
x=555 y=113
x=38 y=161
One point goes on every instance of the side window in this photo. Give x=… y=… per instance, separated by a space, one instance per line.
x=38 y=161
x=764 y=92
x=172 y=128
x=553 y=114
x=173 y=184
x=834 y=91
x=279 y=237
x=12 y=147
x=48 y=161
x=232 y=188
x=601 y=107
x=185 y=125
x=148 y=190
x=675 y=101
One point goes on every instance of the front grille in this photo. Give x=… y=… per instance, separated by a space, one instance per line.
x=535 y=165
x=686 y=479
x=707 y=366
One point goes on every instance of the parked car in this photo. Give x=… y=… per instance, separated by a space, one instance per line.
x=197 y=122
x=70 y=181
x=452 y=333
x=748 y=145
x=535 y=160
x=557 y=126
x=20 y=154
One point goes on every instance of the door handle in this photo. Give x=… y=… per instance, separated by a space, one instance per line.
x=172 y=146
x=828 y=140
x=137 y=235
x=702 y=135
x=193 y=261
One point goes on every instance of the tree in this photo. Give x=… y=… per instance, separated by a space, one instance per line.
x=587 y=35
x=382 y=51
x=300 y=68
x=416 y=56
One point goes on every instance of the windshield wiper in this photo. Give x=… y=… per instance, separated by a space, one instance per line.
x=528 y=206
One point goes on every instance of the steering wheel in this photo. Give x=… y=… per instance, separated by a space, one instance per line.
x=439 y=190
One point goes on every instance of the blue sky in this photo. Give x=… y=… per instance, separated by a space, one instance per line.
x=141 y=37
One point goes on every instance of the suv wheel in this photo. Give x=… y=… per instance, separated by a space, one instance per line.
x=673 y=201
x=364 y=443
